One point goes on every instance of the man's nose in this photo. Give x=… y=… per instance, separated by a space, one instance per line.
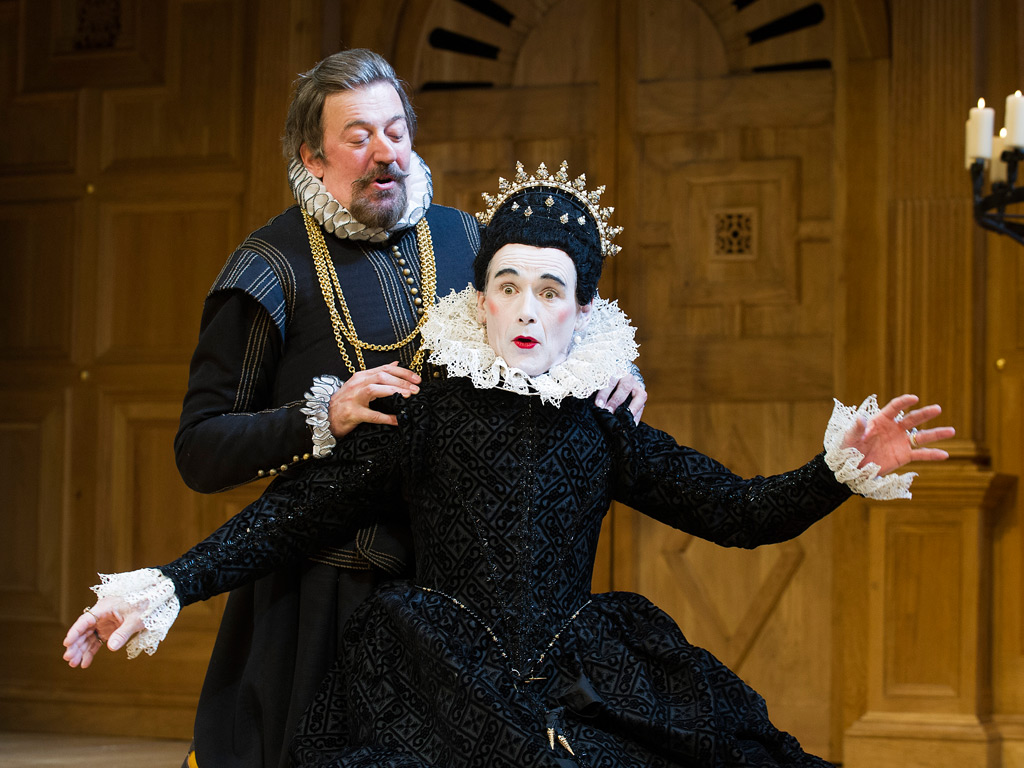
x=527 y=308
x=383 y=150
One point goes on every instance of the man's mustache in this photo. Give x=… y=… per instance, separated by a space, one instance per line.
x=390 y=170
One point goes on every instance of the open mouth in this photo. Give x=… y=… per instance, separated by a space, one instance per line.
x=382 y=178
x=525 y=342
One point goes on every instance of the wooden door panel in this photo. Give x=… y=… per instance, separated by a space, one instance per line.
x=157 y=260
x=136 y=187
x=731 y=279
x=39 y=254
x=32 y=430
x=193 y=118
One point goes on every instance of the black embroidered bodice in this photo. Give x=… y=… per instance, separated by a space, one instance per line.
x=506 y=497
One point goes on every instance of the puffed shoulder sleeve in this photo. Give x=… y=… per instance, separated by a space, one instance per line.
x=354 y=486
x=694 y=493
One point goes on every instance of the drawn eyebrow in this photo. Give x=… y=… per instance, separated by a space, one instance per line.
x=555 y=278
x=545 y=276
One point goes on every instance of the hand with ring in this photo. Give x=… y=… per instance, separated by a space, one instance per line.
x=110 y=622
x=892 y=438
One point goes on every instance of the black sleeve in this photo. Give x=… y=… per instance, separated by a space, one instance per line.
x=358 y=484
x=694 y=493
x=228 y=431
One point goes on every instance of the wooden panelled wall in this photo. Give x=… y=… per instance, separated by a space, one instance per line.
x=797 y=227
x=138 y=145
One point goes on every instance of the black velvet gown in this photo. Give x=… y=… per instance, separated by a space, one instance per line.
x=497 y=649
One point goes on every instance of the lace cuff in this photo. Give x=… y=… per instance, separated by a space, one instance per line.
x=149 y=591
x=844 y=462
x=318 y=400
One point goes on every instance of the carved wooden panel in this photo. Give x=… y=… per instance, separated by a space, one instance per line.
x=156 y=263
x=37 y=133
x=470 y=139
x=932 y=334
x=730 y=279
x=449 y=44
x=37 y=279
x=123 y=168
x=194 y=118
x=146 y=514
x=32 y=432
x=763 y=612
x=1005 y=419
x=663 y=58
x=922 y=601
x=69 y=44
x=754 y=259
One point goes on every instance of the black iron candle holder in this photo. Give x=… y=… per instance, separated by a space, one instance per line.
x=990 y=210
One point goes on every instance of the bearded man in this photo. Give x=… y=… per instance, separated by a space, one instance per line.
x=312 y=317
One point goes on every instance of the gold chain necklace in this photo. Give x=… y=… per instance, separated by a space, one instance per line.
x=330 y=286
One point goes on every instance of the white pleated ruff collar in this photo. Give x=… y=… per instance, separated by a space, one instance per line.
x=458 y=341
x=311 y=194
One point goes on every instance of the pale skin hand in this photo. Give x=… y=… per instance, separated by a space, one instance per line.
x=350 y=405
x=110 y=622
x=884 y=441
x=615 y=394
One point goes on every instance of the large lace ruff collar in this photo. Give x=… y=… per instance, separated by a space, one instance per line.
x=457 y=340
x=311 y=194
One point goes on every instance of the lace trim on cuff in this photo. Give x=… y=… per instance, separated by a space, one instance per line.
x=845 y=462
x=150 y=592
x=318 y=400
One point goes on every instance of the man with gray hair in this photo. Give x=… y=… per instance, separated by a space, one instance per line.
x=314 y=316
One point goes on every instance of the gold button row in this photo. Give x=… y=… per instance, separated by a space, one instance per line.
x=274 y=472
x=406 y=272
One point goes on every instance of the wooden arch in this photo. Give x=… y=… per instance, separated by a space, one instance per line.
x=460 y=44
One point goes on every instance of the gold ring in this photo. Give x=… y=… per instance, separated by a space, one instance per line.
x=88 y=610
x=912 y=434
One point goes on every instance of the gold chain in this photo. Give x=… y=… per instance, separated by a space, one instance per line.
x=330 y=286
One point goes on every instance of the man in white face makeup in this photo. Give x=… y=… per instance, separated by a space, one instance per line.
x=529 y=306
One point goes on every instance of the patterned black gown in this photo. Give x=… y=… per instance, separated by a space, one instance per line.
x=496 y=653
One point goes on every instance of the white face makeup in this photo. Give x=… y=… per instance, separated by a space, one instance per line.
x=367 y=151
x=529 y=306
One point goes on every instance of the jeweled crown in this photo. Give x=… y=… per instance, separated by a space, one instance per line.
x=576 y=188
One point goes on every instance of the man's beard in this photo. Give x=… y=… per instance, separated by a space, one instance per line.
x=379 y=208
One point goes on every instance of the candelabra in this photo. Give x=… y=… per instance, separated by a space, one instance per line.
x=990 y=210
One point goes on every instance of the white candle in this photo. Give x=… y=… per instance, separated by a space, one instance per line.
x=979 y=131
x=997 y=168
x=1015 y=120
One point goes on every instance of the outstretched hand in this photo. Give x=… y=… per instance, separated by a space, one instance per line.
x=892 y=439
x=350 y=405
x=111 y=622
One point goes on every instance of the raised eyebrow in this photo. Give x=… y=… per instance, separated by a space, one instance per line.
x=556 y=278
x=506 y=271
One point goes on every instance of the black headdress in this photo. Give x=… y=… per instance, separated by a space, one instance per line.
x=548 y=211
